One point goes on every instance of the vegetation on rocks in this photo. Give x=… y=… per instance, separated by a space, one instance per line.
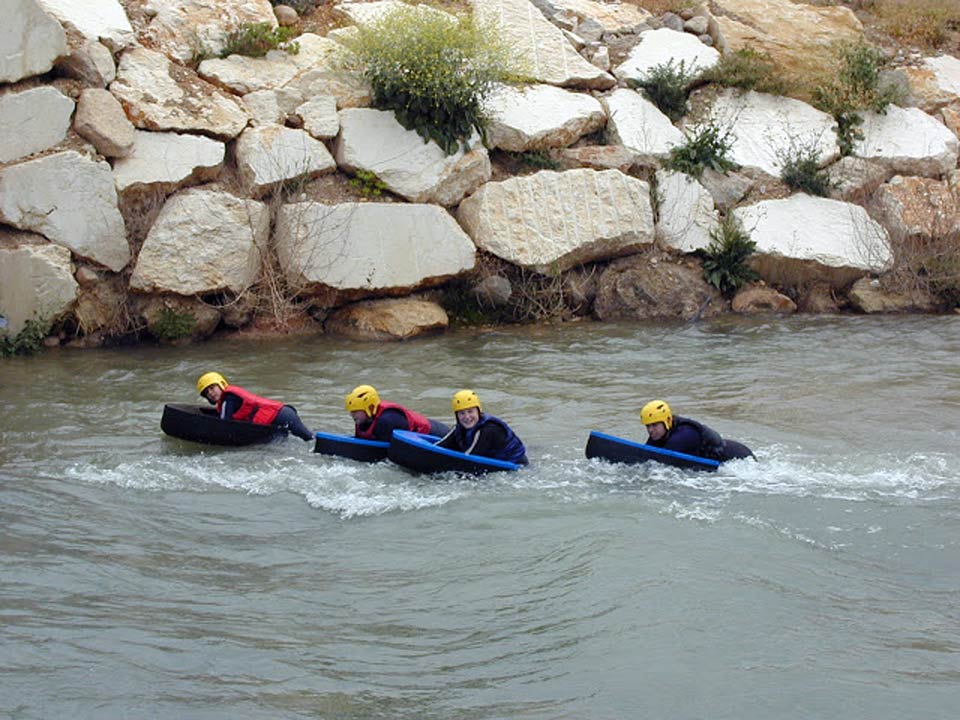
x=801 y=171
x=27 y=342
x=433 y=70
x=368 y=183
x=917 y=22
x=707 y=147
x=747 y=69
x=725 y=258
x=171 y=325
x=257 y=39
x=667 y=86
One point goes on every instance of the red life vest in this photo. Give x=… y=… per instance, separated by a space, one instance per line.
x=415 y=421
x=253 y=408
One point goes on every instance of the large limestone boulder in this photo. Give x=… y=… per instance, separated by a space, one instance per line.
x=387 y=319
x=908 y=141
x=36 y=283
x=90 y=62
x=94 y=19
x=242 y=74
x=180 y=28
x=804 y=238
x=373 y=141
x=640 y=287
x=540 y=116
x=869 y=296
x=30 y=40
x=101 y=120
x=687 y=213
x=32 y=120
x=614 y=18
x=552 y=221
x=638 y=125
x=547 y=55
x=158 y=95
x=659 y=47
x=796 y=35
x=356 y=249
x=168 y=161
x=766 y=130
x=319 y=117
x=935 y=82
x=69 y=199
x=203 y=241
x=268 y=155
x=910 y=207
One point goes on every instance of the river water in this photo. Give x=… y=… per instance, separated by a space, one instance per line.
x=144 y=576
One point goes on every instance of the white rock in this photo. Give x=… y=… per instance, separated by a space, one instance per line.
x=637 y=124
x=203 y=241
x=263 y=108
x=32 y=120
x=30 y=40
x=831 y=233
x=36 y=283
x=659 y=47
x=618 y=17
x=71 y=200
x=94 y=19
x=319 y=115
x=373 y=141
x=687 y=213
x=908 y=141
x=766 y=130
x=168 y=161
x=946 y=73
x=271 y=154
x=101 y=120
x=91 y=63
x=370 y=246
x=552 y=221
x=157 y=95
x=547 y=55
x=241 y=74
x=180 y=28
x=540 y=116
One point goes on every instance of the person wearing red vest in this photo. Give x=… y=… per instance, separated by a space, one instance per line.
x=235 y=403
x=374 y=419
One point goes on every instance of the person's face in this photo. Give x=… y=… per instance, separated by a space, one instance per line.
x=213 y=393
x=359 y=417
x=657 y=431
x=468 y=417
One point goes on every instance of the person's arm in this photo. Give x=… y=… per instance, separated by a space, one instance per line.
x=683 y=439
x=490 y=439
x=448 y=441
x=231 y=403
x=389 y=420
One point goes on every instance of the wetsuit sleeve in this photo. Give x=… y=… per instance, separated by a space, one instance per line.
x=231 y=403
x=683 y=439
x=449 y=441
x=389 y=420
x=491 y=439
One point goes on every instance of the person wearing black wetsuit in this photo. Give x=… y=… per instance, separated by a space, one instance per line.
x=374 y=419
x=687 y=436
x=478 y=433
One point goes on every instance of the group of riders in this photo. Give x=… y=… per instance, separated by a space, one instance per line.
x=474 y=432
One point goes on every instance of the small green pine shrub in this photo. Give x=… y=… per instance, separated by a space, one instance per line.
x=725 y=258
x=802 y=172
x=855 y=89
x=666 y=86
x=27 y=342
x=257 y=39
x=747 y=69
x=368 y=183
x=433 y=70
x=171 y=325
x=708 y=147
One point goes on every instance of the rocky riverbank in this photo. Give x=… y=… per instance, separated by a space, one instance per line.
x=148 y=193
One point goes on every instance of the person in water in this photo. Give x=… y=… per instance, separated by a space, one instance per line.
x=235 y=403
x=478 y=433
x=374 y=419
x=687 y=436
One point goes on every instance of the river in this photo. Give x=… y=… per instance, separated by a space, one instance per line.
x=149 y=577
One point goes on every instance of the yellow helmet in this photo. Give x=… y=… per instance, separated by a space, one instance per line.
x=211 y=378
x=363 y=397
x=465 y=399
x=657 y=411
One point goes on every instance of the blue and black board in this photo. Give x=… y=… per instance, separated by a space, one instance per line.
x=350 y=447
x=616 y=449
x=417 y=452
x=203 y=425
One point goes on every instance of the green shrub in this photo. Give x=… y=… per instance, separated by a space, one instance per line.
x=747 y=69
x=26 y=342
x=802 y=172
x=171 y=325
x=433 y=70
x=708 y=147
x=257 y=39
x=725 y=258
x=856 y=88
x=368 y=183
x=666 y=86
